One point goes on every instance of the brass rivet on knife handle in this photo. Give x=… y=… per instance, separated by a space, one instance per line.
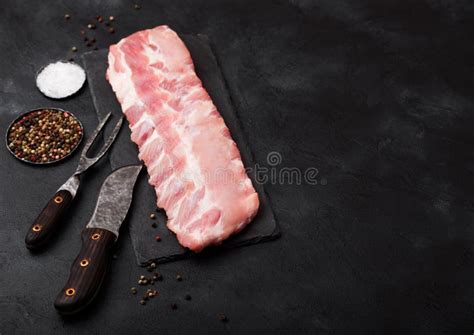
x=58 y=199
x=84 y=263
x=95 y=237
x=70 y=292
x=36 y=227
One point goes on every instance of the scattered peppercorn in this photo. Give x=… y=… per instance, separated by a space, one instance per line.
x=67 y=16
x=142 y=277
x=157 y=276
x=100 y=19
x=179 y=278
x=96 y=48
x=134 y=290
x=174 y=306
x=157 y=238
x=111 y=18
x=83 y=32
x=142 y=302
x=44 y=136
x=136 y=6
x=152 y=216
x=154 y=225
x=91 y=26
x=86 y=39
x=151 y=293
x=187 y=297
x=93 y=40
x=223 y=318
x=74 y=49
x=71 y=59
x=111 y=30
x=88 y=44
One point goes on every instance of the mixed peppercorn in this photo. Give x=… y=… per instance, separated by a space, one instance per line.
x=92 y=29
x=44 y=136
x=151 y=292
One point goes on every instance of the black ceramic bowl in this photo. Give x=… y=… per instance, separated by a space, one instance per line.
x=51 y=110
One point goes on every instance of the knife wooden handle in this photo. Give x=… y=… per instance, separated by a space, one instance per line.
x=87 y=271
x=48 y=220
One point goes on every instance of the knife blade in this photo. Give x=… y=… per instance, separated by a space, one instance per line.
x=89 y=268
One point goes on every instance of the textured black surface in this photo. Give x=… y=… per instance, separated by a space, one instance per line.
x=375 y=94
x=263 y=228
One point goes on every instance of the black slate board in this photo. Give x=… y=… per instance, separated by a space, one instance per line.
x=263 y=228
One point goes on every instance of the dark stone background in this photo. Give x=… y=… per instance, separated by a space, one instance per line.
x=376 y=94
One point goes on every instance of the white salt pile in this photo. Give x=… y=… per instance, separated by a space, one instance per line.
x=61 y=79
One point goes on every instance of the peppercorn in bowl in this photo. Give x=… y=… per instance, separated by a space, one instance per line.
x=44 y=135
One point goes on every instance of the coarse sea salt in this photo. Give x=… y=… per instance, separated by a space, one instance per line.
x=61 y=79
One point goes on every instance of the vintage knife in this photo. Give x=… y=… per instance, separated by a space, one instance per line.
x=88 y=270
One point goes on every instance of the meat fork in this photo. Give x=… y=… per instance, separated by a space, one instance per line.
x=50 y=217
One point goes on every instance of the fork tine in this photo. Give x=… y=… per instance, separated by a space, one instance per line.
x=110 y=139
x=93 y=136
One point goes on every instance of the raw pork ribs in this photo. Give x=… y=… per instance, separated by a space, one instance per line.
x=192 y=161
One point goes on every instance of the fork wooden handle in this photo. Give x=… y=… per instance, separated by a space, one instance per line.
x=48 y=220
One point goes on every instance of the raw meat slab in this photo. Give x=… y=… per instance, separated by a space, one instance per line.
x=192 y=160
x=263 y=228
